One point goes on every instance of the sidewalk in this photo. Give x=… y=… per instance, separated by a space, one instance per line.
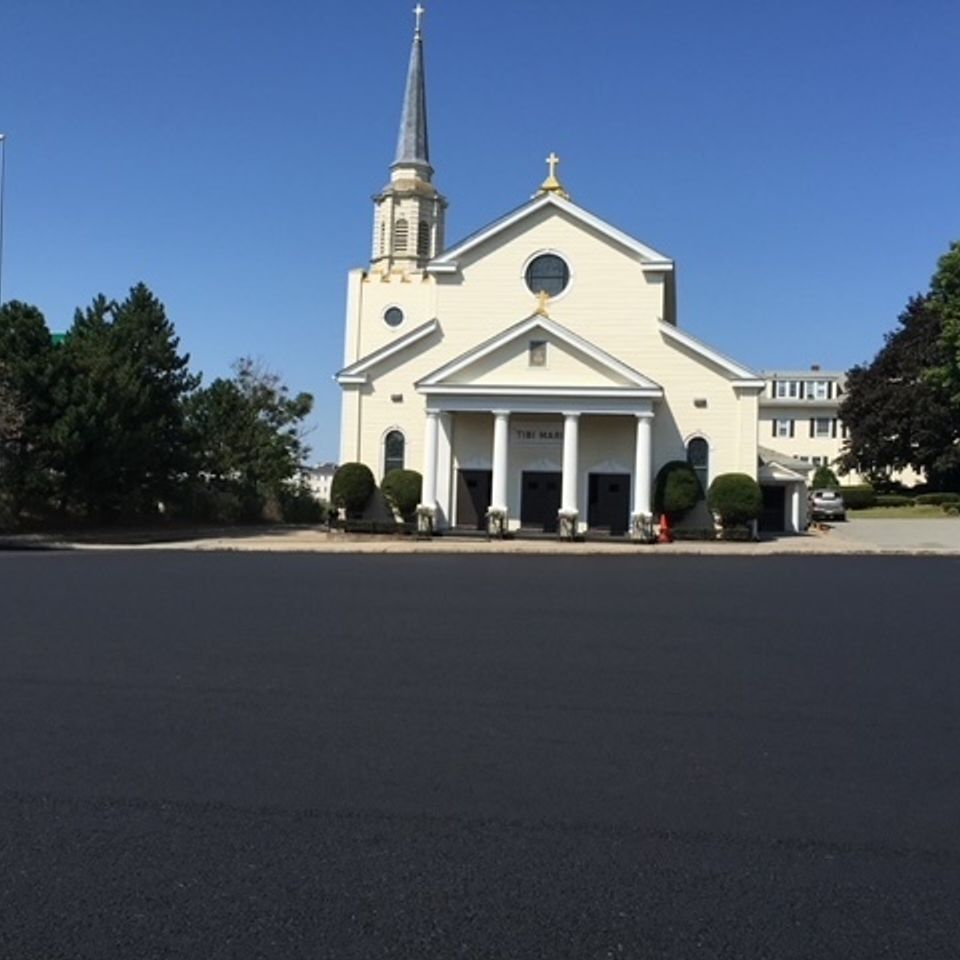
x=313 y=540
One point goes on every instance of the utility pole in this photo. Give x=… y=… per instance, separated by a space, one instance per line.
x=3 y=167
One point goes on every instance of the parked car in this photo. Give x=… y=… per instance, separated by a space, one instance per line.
x=827 y=505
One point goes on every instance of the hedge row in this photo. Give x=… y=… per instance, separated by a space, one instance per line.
x=938 y=499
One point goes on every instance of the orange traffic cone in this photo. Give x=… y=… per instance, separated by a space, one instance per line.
x=665 y=536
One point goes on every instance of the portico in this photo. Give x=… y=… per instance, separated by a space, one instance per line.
x=533 y=449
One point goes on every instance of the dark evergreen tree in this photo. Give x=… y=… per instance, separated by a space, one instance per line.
x=26 y=363
x=899 y=409
x=121 y=438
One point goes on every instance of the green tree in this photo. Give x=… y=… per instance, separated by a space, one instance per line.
x=247 y=435
x=26 y=370
x=402 y=490
x=736 y=498
x=945 y=293
x=352 y=488
x=120 y=436
x=823 y=478
x=677 y=490
x=901 y=410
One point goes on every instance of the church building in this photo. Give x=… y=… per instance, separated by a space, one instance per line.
x=535 y=372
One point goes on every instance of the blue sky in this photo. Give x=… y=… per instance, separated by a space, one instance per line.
x=801 y=162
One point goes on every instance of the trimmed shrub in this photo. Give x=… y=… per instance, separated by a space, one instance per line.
x=402 y=489
x=736 y=497
x=677 y=490
x=352 y=488
x=858 y=497
x=938 y=499
x=893 y=500
x=823 y=479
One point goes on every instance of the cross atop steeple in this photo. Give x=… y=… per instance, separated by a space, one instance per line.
x=419 y=11
x=552 y=184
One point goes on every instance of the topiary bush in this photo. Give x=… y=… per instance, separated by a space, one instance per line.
x=823 y=479
x=352 y=488
x=736 y=498
x=938 y=499
x=677 y=490
x=858 y=497
x=402 y=489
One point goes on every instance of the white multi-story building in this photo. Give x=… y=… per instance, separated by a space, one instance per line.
x=799 y=416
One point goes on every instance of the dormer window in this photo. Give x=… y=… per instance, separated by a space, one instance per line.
x=538 y=353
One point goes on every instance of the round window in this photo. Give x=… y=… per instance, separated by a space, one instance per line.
x=548 y=274
x=393 y=317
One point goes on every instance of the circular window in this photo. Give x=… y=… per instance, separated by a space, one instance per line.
x=548 y=274
x=393 y=317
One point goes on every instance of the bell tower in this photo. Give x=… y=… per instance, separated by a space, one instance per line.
x=409 y=212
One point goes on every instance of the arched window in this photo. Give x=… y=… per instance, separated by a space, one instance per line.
x=698 y=456
x=393 y=448
x=423 y=239
x=401 y=234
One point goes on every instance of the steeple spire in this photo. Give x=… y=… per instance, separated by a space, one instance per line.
x=413 y=145
x=409 y=212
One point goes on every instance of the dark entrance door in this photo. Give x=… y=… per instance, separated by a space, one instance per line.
x=773 y=517
x=473 y=497
x=609 y=502
x=540 y=501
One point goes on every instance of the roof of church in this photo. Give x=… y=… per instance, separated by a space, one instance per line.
x=651 y=257
x=413 y=145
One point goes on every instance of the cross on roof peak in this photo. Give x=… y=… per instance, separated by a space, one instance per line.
x=419 y=10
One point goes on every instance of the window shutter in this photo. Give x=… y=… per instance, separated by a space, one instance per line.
x=801 y=392
x=813 y=427
x=775 y=422
x=792 y=428
x=833 y=428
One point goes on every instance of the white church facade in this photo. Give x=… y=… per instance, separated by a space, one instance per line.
x=534 y=373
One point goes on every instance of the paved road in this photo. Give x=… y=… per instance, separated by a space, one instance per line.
x=279 y=756
x=932 y=534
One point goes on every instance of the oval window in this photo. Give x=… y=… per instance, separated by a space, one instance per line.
x=548 y=274
x=393 y=317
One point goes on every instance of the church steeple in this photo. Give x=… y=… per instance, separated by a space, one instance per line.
x=413 y=144
x=409 y=212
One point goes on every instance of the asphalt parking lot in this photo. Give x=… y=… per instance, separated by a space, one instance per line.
x=880 y=534
x=312 y=756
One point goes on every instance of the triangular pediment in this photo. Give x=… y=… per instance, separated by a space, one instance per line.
x=513 y=359
x=449 y=261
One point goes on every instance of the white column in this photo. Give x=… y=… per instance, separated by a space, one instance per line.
x=444 y=468
x=795 y=507
x=643 y=466
x=428 y=495
x=501 y=442
x=571 y=463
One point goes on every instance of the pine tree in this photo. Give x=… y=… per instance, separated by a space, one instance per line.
x=26 y=350
x=121 y=436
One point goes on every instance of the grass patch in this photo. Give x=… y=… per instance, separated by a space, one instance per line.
x=920 y=511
